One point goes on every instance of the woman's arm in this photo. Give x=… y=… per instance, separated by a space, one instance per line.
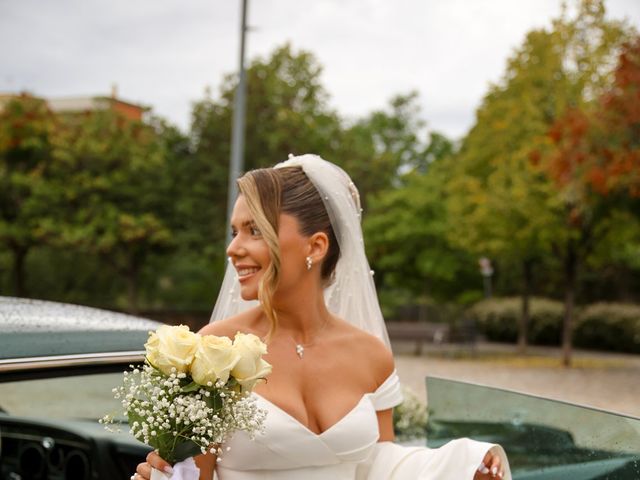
x=207 y=465
x=385 y=425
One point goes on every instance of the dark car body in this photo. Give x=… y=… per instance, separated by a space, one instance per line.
x=58 y=364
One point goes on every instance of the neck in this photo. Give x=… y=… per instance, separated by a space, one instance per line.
x=301 y=313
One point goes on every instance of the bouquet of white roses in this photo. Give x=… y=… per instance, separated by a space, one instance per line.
x=193 y=391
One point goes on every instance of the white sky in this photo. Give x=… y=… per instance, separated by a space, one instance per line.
x=163 y=53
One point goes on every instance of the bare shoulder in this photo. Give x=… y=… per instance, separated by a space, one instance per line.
x=244 y=322
x=370 y=350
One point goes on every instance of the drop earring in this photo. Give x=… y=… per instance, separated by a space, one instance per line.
x=309 y=263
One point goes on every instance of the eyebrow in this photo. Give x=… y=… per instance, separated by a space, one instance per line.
x=246 y=223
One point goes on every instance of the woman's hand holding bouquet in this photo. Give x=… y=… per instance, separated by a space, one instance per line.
x=192 y=393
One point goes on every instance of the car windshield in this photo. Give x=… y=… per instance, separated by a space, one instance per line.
x=544 y=439
x=71 y=397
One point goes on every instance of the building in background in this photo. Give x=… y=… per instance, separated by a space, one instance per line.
x=85 y=104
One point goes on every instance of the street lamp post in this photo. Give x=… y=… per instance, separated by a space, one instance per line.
x=236 y=164
x=486 y=270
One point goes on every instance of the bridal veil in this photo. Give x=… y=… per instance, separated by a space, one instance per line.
x=351 y=295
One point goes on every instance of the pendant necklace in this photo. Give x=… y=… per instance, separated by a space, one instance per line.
x=300 y=346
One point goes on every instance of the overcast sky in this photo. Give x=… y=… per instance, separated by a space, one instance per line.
x=163 y=53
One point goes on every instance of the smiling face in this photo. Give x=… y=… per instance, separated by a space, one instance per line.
x=278 y=221
x=248 y=251
x=251 y=256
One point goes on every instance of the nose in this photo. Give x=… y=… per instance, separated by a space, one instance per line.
x=235 y=248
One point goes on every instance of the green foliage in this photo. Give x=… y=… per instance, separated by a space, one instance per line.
x=600 y=326
x=109 y=212
x=507 y=207
x=26 y=129
x=108 y=185
x=609 y=326
x=406 y=234
x=287 y=112
x=388 y=142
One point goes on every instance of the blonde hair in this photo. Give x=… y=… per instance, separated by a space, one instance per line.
x=270 y=192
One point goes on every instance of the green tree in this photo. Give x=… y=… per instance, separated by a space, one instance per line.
x=594 y=167
x=26 y=128
x=287 y=112
x=407 y=241
x=513 y=209
x=107 y=179
x=389 y=142
x=590 y=44
x=502 y=204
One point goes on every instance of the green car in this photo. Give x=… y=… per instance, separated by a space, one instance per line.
x=544 y=439
x=59 y=363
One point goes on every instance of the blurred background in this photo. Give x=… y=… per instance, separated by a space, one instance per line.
x=496 y=145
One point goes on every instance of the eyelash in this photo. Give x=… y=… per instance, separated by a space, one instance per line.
x=255 y=232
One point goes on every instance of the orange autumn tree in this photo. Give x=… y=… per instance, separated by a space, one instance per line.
x=600 y=149
x=617 y=130
x=595 y=165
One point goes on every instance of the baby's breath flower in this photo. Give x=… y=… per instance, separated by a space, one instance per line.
x=159 y=411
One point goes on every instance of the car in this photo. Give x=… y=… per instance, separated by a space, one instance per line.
x=544 y=439
x=58 y=365
x=60 y=362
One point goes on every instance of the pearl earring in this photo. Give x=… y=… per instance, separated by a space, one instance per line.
x=309 y=263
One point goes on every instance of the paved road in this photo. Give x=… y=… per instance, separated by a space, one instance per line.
x=606 y=381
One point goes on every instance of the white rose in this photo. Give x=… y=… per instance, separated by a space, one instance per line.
x=172 y=347
x=213 y=360
x=250 y=367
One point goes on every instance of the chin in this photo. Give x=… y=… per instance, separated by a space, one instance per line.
x=249 y=294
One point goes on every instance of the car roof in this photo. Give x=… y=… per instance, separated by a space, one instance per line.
x=36 y=328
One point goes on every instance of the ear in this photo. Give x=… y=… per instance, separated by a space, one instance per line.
x=318 y=245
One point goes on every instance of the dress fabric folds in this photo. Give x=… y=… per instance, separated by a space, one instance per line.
x=348 y=450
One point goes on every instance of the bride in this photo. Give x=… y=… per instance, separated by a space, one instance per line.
x=298 y=277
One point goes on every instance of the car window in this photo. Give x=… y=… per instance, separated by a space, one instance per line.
x=82 y=396
x=543 y=438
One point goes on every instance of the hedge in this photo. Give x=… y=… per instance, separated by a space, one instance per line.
x=498 y=319
x=601 y=326
x=609 y=326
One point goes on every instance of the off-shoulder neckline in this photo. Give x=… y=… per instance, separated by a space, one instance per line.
x=389 y=379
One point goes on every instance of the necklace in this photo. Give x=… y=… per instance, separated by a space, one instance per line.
x=301 y=346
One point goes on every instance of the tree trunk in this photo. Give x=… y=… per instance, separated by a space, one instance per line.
x=523 y=327
x=570 y=271
x=19 y=277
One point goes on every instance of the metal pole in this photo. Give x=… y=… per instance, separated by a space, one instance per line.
x=237 y=132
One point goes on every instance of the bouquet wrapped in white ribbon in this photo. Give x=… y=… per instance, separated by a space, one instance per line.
x=192 y=393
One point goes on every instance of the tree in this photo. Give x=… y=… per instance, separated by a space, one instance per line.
x=287 y=112
x=389 y=142
x=554 y=70
x=590 y=44
x=406 y=230
x=26 y=128
x=107 y=178
x=594 y=166
x=501 y=204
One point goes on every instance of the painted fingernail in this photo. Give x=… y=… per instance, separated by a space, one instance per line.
x=501 y=474
x=483 y=468
x=494 y=471
x=168 y=470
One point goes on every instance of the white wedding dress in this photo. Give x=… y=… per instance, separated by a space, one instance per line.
x=348 y=450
